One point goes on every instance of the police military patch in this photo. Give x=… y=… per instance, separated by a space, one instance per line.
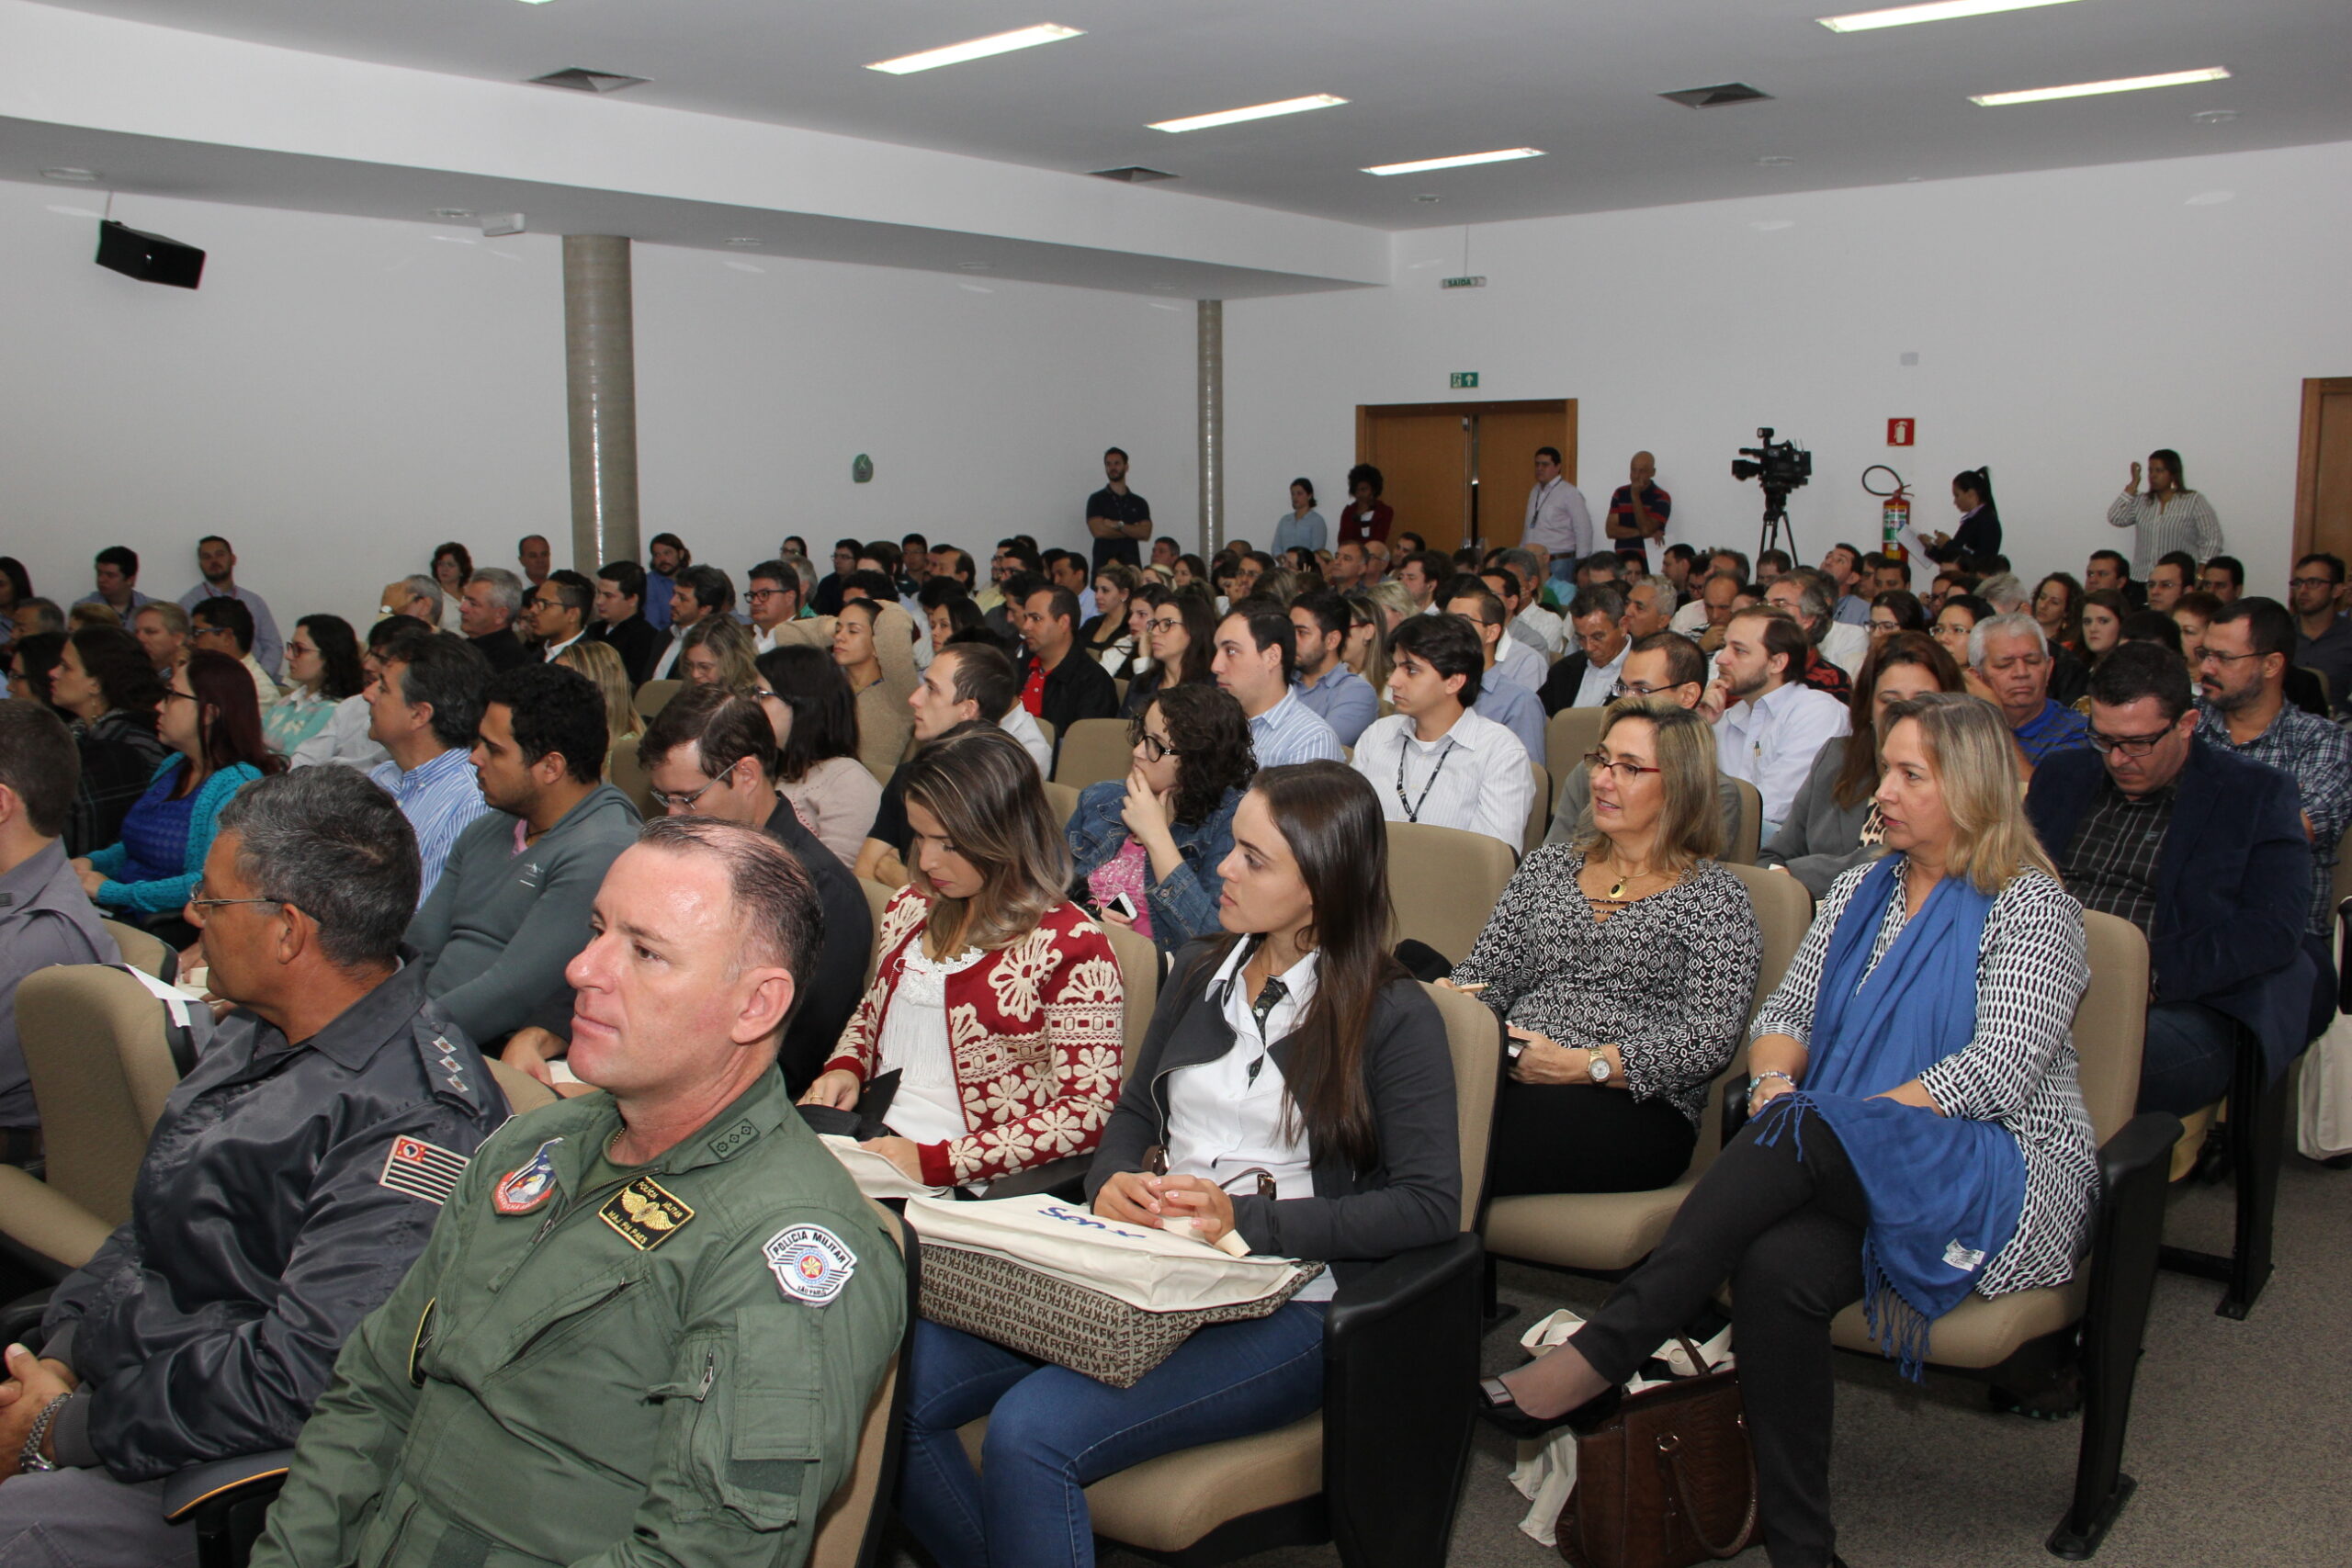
x=528 y=1185
x=646 y=1213
x=422 y=1169
x=810 y=1263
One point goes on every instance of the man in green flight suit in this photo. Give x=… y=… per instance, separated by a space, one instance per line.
x=649 y=1323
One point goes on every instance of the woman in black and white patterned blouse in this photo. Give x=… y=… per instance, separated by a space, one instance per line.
x=1623 y=963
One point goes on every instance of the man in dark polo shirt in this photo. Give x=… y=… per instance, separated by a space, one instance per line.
x=1117 y=517
x=1060 y=683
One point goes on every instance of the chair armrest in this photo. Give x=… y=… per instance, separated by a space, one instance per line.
x=223 y=1481
x=1400 y=1357
x=2144 y=1143
x=20 y=1319
x=1064 y=1179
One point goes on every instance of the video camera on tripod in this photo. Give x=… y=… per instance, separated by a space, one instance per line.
x=1780 y=467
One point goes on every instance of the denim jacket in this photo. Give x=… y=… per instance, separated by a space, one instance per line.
x=1183 y=905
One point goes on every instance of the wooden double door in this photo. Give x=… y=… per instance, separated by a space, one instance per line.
x=1460 y=472
x=2323 y=481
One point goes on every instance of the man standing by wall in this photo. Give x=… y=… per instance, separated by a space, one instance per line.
x=1637 y=514
x=218 y=562
x=1557 y=516
x=1117 y=516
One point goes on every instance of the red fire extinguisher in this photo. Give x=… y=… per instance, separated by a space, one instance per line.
x=1895 y=517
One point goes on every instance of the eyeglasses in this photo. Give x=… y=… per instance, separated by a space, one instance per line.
x=1154 y=748
x=171 y=692
x=1172 y=624
x=198 y=902
x=2310 y=582
x=757 y=594
x=2130 y=745
x=1626 y=772
x=2208 y=656
x=1636 y=689
x=686 y=802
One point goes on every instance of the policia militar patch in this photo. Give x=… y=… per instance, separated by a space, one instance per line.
x=645 y=1213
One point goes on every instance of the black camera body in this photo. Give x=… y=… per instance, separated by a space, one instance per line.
x=1780 y=466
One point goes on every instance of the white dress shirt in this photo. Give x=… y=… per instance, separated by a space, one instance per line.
x=554 y=649
x=1772 y=742
x=1559 y=519
x=1515 y=662
x=1474 y=777
x=1023 y=728
x=666 y=666
x=1845 y=647
x=1226 y=1116
x=1550 y=631
x=1601 y=679
x=1690 y=620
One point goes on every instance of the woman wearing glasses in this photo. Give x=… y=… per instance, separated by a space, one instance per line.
x=211 y=721
x=1159 y=836
x=1295 y=1090
x=322 y=668
x=808 y=704
x=1834 y=824
x=1916 y=1135
x=996 y=1001
x=1623 y=963
x=1183 y=638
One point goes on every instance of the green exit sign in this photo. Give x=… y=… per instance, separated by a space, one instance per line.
x=1465 y=380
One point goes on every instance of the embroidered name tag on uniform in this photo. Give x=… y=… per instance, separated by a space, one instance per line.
x=645 y=1213
x=1964 y=1258
x=422 y=1169
x=528 y=1185
x=810 y=1263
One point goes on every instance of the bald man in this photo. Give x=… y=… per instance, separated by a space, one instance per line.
x=1637 y=514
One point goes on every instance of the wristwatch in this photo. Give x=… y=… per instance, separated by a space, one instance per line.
x=1598 y=1065
x=30 y=1458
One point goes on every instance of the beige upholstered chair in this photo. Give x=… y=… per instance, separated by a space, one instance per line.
x=877 y=898
x=1539 y=809
x=628 y=776
x=1063 y=800
x=1750 y=837
x=143 y=949
x=654 y=696
x=1608 y=1232
x=1092 y=751
x=1567 y=736
x=1378 y=1469
x=523 y=1093
x=1444 y=883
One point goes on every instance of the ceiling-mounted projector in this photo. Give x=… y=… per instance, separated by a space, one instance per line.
x=150 y=258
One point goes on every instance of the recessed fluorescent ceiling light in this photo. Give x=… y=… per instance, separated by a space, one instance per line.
x=1255 y=111
x=1938 y=11
x=1467 y=159
x=2092 y=89
x=977 y=48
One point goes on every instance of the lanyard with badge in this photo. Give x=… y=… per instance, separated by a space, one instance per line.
x=1413 y=807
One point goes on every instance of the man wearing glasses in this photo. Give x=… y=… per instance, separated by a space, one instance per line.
x=1663 y=664
x=772 y=595
x=2205 y=852
x=2322 y=636
x=559 y=613
x=295 y=1174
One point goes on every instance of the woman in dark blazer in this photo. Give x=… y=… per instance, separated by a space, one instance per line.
x=1295 y=1089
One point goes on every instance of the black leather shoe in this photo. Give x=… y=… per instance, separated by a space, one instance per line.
x=1495 y=1403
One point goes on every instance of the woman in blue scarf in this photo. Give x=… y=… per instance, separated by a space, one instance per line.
x=1916 y=1133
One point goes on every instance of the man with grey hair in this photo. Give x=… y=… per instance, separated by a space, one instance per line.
x=1649 y=606
x=486 y=610
x=295 y=1174
x=1804 y=594
x=768 y=1297
x=2005 y=592
x=2010 y=657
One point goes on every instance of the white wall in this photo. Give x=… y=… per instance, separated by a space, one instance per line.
x=2065 y=324
x=344 y=393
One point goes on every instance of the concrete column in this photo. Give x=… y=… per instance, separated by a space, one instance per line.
x=1211 y=377
x=600 y=383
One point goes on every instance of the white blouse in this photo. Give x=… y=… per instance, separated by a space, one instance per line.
x=927 y=1108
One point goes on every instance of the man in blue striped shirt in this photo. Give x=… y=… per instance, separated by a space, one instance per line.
x=423 y=709
x=1256 y=657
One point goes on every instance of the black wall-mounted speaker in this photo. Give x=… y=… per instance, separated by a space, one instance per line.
x=150 y=258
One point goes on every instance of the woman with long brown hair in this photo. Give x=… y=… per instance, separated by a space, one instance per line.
x=1296 y=1090
x=103 y=679
x=1833 y=823
x=1183 y=637
x=996 y=999
x=211 y=721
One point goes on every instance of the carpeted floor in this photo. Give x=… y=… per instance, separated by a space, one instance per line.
x=2241 y=1432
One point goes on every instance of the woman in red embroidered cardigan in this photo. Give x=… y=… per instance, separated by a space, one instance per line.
x=997 y=1001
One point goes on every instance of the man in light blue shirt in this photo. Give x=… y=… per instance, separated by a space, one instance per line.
x=1255 y=659
x=218 y=562
x=1506 y=703
x=424 y=709
x=1343 y=699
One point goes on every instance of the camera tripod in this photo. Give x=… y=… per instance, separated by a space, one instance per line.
x=1779 y=533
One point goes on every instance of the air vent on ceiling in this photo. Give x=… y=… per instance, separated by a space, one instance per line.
x=1134 y=175
x=1716 y=96
x=583 y=81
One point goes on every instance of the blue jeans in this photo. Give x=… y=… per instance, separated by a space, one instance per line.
x=2191 y=1054
x=1052 y=1431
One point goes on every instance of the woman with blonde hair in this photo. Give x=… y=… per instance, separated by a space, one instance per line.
x=1395 y=603
x=600 y=663
x=1366 y=650
x=1916 y=1132
x=718 y=652
x=875 y=645
x=1622 y=962
x=996 y=1000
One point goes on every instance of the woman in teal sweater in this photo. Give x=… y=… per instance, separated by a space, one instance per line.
x=211 y=719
